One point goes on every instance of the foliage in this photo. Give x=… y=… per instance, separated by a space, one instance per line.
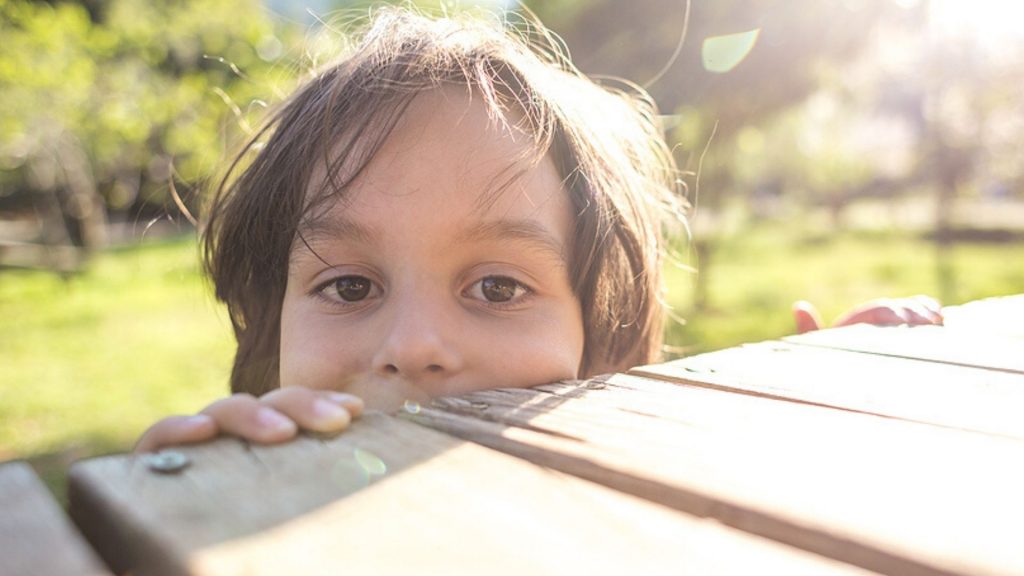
x=819 y=103
x=137 y=87
x=761 y=270
x=779 y=70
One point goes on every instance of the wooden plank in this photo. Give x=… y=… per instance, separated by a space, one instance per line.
x=389 y=496
x=883 y=494
x=1002 y=316
x=932 y=343
x=35 y=535
x=976 y=399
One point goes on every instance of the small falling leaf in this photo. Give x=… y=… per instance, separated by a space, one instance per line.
x=370 y=463
x=721 y=54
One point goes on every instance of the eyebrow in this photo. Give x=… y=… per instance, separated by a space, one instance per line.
x=529 y=231
x=524 y=230
x=315 y=230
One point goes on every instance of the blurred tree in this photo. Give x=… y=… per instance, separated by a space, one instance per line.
x=102 y=104
x=821 y=102
x=794 y=41
x=777 y=54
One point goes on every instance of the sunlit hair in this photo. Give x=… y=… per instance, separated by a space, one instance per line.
x=606 y=144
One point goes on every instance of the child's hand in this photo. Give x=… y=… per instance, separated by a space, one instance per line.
x=882 y=312
x=274 y=417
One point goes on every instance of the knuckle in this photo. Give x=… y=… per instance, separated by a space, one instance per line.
x=165 y=427
x=159 y=434
x=284 y=394
x=235 y=400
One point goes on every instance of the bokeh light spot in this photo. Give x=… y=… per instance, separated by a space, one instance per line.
x=370 y=462
x=349 y=475
x=721 y=54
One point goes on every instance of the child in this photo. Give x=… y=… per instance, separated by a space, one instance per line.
x=445 y=210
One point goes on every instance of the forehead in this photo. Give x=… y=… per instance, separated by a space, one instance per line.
x=448 y=156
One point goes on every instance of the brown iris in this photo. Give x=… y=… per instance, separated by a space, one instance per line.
x=352 y=288
x=498 y=288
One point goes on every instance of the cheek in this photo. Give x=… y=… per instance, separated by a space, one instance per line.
x=542 y=350
x=572 y=333
x=572 y=344
x=313 y=354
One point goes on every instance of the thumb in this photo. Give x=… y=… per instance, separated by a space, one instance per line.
x=806 y=316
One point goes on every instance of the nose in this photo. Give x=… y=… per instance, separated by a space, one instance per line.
x=419 y=344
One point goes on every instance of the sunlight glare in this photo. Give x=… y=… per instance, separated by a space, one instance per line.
x=993 y=23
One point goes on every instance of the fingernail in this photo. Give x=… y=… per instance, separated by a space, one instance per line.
x=273 y=420
x=329 y=413
x=354 y=404
x=342 y=398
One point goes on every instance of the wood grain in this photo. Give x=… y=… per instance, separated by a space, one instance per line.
x=956 y=396
x=35 y=536
x=883 y=494
x=389 y=496
x=932 y=343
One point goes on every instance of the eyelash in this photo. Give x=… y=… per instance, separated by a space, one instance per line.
x=521 y=292
x=323 y=291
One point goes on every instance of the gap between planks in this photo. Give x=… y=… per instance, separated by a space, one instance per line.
x=35 y=535
x=882 y=494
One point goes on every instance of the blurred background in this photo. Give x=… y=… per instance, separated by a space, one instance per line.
x=833 y=150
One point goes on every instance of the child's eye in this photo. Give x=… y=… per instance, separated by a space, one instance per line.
x=498 y=289
x=348 y=288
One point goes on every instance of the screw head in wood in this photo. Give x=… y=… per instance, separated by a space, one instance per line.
x=167 y=462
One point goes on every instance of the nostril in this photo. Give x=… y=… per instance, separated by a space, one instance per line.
x=394 y=370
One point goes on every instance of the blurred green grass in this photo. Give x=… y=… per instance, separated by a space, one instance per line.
x=756 y=274
x=88 y=362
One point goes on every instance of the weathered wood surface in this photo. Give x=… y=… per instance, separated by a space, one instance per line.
x=932 y=343
x=389 y=496
x=36 y=538
x=990 y=401
x=884 y=494
x=1002 y=316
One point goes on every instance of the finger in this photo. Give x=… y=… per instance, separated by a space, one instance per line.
x=914 y=316
x=928 y=302
x=806 y=316
x=177 y=430
x=917 y=314
x=244 y=416
x=932 y=308
x=354 y=404
x=315 y=410
x=877 y=313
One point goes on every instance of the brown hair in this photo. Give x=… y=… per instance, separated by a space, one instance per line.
x=616 y=168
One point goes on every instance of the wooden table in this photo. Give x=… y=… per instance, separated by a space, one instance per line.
x=855 y=450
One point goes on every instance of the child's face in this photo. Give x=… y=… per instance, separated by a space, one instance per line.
x=423 y=288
